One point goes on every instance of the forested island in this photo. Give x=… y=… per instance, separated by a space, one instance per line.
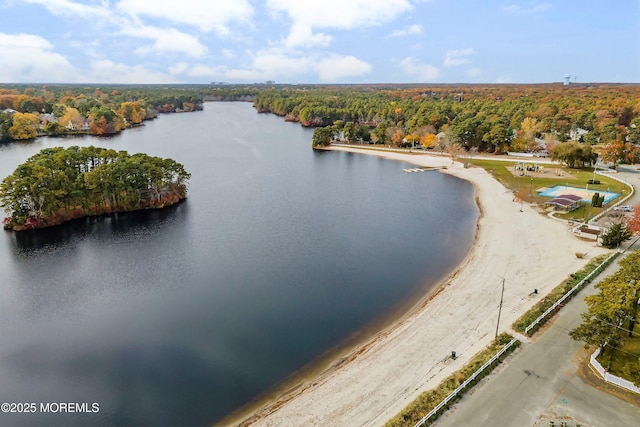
x=58 y=185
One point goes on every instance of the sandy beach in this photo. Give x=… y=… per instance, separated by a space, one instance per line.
x=379 y=378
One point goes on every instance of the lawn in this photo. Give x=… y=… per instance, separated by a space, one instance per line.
x=526 y=186
x=624 y=361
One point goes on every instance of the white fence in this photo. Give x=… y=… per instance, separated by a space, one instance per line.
x=606 y=211
x=595 y=272
x=620 y=382
x=464 y=385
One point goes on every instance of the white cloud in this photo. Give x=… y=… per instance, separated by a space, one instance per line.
x=166 y=40
x=27 y=57
x=474 y=72
x=280 y=65
x=344 y=14
x=277 y=65
x=178 y=68
x=206 y=15
x=301 y=35
x=532 y=8
x=106 y=71
x=411 y=30
x=336 y=68
x=458 y=57
x=265 y=65
x=423 y=72
x=31 y=58
x=503 y=79
x=72 y=9
x=341 y=14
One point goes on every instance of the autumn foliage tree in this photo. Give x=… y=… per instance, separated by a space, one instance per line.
x=620 y=152
x=397 y=136
x=133 y=112
x=70 y=117
x=612 y=313
x=105 y=121
x=428 y=140
x=25 y=126
x=633 y=224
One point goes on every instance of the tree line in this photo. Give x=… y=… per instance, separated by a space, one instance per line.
x=486 y=118
x=601 y=119
x=27 y=112
x=59 y=184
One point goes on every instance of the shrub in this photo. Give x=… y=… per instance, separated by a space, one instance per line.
x=537 y=310
x=428 y=400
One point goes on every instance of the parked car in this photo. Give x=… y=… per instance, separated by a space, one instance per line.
x=625 y=208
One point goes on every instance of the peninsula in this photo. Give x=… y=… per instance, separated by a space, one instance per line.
x=58 y=185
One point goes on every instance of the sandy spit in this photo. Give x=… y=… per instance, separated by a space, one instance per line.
x=375 y=381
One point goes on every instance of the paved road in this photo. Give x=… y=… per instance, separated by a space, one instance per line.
x=539 y=384
x=631 y=174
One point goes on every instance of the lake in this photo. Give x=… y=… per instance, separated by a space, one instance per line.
x=182 y=315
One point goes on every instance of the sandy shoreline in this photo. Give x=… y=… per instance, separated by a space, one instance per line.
x=376 y=380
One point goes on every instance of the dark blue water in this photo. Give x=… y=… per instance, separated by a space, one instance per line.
x=180 y=316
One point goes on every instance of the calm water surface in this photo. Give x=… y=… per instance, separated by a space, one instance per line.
x=180 y=316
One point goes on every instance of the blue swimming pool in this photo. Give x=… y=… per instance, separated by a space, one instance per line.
x=586 y=195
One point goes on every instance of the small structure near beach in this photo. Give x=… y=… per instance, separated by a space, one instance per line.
x=566 y=202
x=588 y=231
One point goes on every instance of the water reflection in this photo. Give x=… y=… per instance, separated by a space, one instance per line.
x=99 y=227
x=178 y=316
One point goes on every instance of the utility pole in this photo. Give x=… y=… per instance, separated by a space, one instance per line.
x=500 y=309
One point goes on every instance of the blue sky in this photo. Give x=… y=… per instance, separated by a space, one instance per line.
x=323 y=41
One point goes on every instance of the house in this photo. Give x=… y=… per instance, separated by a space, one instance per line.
x=47 y=118
x=576 y=133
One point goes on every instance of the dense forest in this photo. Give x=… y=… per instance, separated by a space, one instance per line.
x=485 y=118
x=58 y=185
x=594 y=119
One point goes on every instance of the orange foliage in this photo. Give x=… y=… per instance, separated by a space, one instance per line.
x=101 y=127
x=428 y=140
x=398 y=136
x=6 y=101
x=634 y=222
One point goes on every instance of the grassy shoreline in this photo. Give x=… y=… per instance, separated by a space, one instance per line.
x=428 y=400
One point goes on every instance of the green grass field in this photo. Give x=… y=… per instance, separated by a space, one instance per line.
x=527 y=186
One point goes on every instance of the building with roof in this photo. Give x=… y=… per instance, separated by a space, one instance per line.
x=565 y=202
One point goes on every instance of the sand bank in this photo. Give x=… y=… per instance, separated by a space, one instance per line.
x=528 y=250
